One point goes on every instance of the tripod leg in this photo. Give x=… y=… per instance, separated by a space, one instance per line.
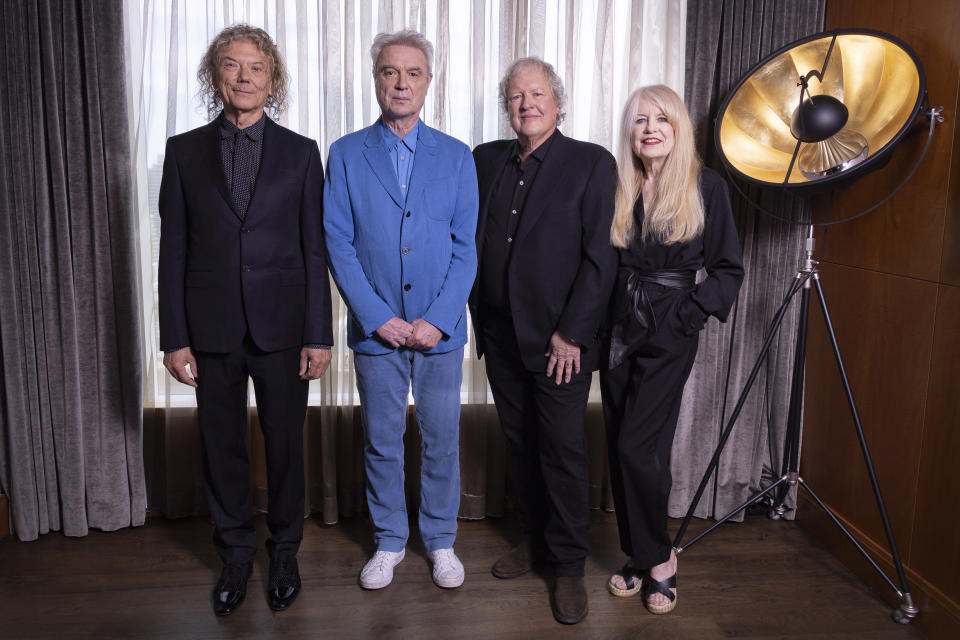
x=791 y=442
x=715 y=460
x=850 y=537
x=752 y=499
x=907 y=610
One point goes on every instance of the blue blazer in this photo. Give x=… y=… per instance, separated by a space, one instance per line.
x=389 y=258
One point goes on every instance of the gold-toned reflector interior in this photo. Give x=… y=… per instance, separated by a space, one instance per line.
x=875 y=78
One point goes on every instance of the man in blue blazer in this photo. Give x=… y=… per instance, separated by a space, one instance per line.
x=400 y=213
x=244 y=293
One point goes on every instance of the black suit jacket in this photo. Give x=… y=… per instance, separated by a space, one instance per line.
x=221 y=274
x=562 y=267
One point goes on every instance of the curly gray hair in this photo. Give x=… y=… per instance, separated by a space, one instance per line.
x=405 y=37
x=210 y=67
x=556 y=84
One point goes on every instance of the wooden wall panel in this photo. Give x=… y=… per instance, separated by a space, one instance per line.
x=950 y=269
x=884 y=326
x=937 y=525
x=892 y=282
x=905 y=236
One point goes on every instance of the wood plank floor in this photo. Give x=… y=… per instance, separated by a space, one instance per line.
x=758 y=579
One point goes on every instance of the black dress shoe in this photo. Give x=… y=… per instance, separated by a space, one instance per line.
x=284 y=583
x=231 y=588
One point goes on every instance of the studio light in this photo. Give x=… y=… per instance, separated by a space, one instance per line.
x=821 y=111
x=812 y=117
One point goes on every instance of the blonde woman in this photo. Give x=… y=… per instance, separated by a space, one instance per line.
x=672 y=219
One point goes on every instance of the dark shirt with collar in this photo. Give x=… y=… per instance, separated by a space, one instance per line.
x=506 y=207
x=240 y=152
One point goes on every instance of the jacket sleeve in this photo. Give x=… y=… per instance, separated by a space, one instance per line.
x=317 y=325
x=722 y=260
x=368 y=309
x=448 y=308
x=172 y=264
x=587 y=302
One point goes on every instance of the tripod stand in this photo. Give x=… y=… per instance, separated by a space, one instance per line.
x=807 y=277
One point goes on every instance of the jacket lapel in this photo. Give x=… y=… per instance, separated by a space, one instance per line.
x=551 y=175
x=424 y=161
x=213 y=160
x=270 y=165
x=498 y=164
x=378 y=157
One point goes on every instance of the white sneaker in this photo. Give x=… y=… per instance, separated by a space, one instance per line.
x=378 y=572
x=447 y=568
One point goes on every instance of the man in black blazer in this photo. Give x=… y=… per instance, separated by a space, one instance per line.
x=244 y=292
x=546 y=269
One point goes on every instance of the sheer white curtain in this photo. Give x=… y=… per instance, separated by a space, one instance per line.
x=601 y=49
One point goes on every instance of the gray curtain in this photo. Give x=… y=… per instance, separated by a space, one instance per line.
x=725 y=38
x=70 y=407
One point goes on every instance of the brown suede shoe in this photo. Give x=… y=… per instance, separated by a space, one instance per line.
x=514 y=563
x=569 y=600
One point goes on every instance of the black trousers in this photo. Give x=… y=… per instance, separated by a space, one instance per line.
x=641 y=404
x=222 y=410
x=543 y=422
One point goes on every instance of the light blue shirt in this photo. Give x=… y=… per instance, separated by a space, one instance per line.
x=401 y=154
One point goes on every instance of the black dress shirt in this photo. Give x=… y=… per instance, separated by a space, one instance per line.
x=506 y=208
x=240 y=151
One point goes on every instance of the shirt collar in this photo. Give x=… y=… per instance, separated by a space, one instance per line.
x=537 y=154
x=254 y=131
x=391 y=138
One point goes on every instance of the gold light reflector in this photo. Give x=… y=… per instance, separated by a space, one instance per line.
x=875 y=76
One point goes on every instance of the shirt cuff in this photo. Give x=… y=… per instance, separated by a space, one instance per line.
x=317 y=346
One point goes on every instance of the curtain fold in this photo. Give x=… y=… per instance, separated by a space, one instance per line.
x=70 y=434
x=725 y=38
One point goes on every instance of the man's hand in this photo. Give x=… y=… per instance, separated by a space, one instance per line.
x=564 y=354
x=425 y=336
x=395 y=331
x=313 y=362
x=176 y=363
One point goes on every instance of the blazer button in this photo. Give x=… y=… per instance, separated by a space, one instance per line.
x=405 y=250
x=408 y=214
x=245 y=268
x=407 y=287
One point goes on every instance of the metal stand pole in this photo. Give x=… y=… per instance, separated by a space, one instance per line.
x=790 y=475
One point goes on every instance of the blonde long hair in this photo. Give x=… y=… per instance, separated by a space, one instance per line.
x=676 y=213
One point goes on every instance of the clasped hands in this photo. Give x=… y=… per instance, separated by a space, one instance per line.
x=419 y=334
x=564 y=357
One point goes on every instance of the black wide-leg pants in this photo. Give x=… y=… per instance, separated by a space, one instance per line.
x=543 y=422
x=222 y=411
x=641 y=404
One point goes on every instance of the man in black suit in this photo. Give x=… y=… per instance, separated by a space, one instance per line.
x=545 y=274
x=244 y=292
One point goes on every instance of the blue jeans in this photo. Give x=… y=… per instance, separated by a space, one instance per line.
x=383 y=382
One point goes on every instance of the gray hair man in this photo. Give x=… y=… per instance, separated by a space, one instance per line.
x=400 y=213
x=546 y=272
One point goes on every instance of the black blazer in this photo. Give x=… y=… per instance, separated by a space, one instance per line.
x=221 y=275
x=562 y=267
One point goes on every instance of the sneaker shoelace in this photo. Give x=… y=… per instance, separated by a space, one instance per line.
x=443 y=561
x=381 y=559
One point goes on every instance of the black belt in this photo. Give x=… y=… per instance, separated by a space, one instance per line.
x=631 y=327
